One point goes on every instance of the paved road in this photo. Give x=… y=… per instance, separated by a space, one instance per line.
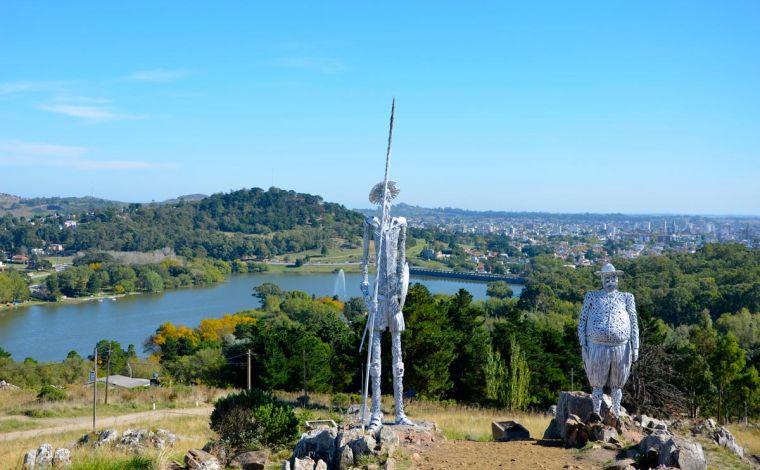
x=58 y=425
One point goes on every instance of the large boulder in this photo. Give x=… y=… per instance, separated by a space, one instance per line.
x=651 y=423
x=663 y=448
x=196 y=459
x=29 y=459
x=552 y=431
x=306 y=463
x=724 y=438
x=576 y=403
x=61 y=458
x=250 y=460
x=162 y=439
x=603 y=433
x=44 y=457
x=217 y=449
x=362 y=445
x=106 y=436
x=345 y=458
x=318 y=444
x=504 y=431
x=386 y=437
x=134 y=439
x=575 y=433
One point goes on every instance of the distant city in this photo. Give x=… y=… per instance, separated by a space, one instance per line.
x=584 y=239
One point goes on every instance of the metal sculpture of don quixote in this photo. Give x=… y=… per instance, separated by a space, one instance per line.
x=386 y=301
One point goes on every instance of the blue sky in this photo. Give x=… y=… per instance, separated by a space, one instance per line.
x=554 y=106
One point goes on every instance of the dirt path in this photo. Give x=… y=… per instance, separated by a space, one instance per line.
x=512 y=455
x=57 y=425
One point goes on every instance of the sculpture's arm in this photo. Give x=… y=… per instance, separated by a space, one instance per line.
x=630 y=306
x=585 y=310
x=401 y=247
x=365 y=262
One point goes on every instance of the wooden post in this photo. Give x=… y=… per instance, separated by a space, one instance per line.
x=95 y=389
x=249 y=369
x=108 y=369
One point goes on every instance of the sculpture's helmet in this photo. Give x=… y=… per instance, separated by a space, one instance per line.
x=376 y=194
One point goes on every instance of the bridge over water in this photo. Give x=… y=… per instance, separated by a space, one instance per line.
x=470 y=276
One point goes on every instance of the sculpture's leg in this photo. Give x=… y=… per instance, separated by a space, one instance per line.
x=617 y=395
x=597 y=371
x=621 y=369
x=398 y=380
x=376 y=418
x=596 y=398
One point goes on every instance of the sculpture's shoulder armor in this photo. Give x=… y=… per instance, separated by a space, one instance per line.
x=399 y=221
x=628 y=296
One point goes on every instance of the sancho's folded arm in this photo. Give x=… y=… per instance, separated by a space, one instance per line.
x=630 y=306
x=584 y=319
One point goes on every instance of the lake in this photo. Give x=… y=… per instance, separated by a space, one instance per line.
x=49 y=332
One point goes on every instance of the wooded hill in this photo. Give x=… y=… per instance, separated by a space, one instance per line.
x=37 y=206
x=244 y=223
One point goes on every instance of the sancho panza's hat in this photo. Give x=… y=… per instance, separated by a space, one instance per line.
x=608 y=269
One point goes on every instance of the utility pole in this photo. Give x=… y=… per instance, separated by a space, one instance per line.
x=572 y=379
x=108 y=368
x=305 y=390
x=95 y=389
x=249 y=369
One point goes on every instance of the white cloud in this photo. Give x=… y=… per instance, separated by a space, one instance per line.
x=88 y=113
x=326 y=66
x=21 y=153
x=9 y=88
x=19 y=147
x=158 y=75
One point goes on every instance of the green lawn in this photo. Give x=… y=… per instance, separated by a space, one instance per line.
x=56 y=260
x=8 y=425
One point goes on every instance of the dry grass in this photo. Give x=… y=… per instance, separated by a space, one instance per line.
x=120 y=401
x=456 y=422
x=192 y=432
x=747 y=437
x=459 y=422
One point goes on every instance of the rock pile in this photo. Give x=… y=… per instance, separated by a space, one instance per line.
x=719 y=435
x=45 y=457
x=576 y=424
x=213 y=456
x=343 y=448
x=663 y=448
x=131 y=439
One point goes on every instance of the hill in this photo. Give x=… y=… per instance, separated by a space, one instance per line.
x=245 y=223
x=34 y=206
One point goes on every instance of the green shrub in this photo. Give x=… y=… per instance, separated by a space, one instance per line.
x=51 y=393
x=253 y=419
x=341 y=401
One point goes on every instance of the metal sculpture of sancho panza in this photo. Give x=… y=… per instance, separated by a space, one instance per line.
x=608 y=331
x=386 y=301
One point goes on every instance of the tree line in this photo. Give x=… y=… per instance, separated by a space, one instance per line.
x=700 y=346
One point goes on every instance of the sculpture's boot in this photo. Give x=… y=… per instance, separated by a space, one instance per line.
x=596 y=399
x=617 y=395
x=398 y=381
x=376 y=417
